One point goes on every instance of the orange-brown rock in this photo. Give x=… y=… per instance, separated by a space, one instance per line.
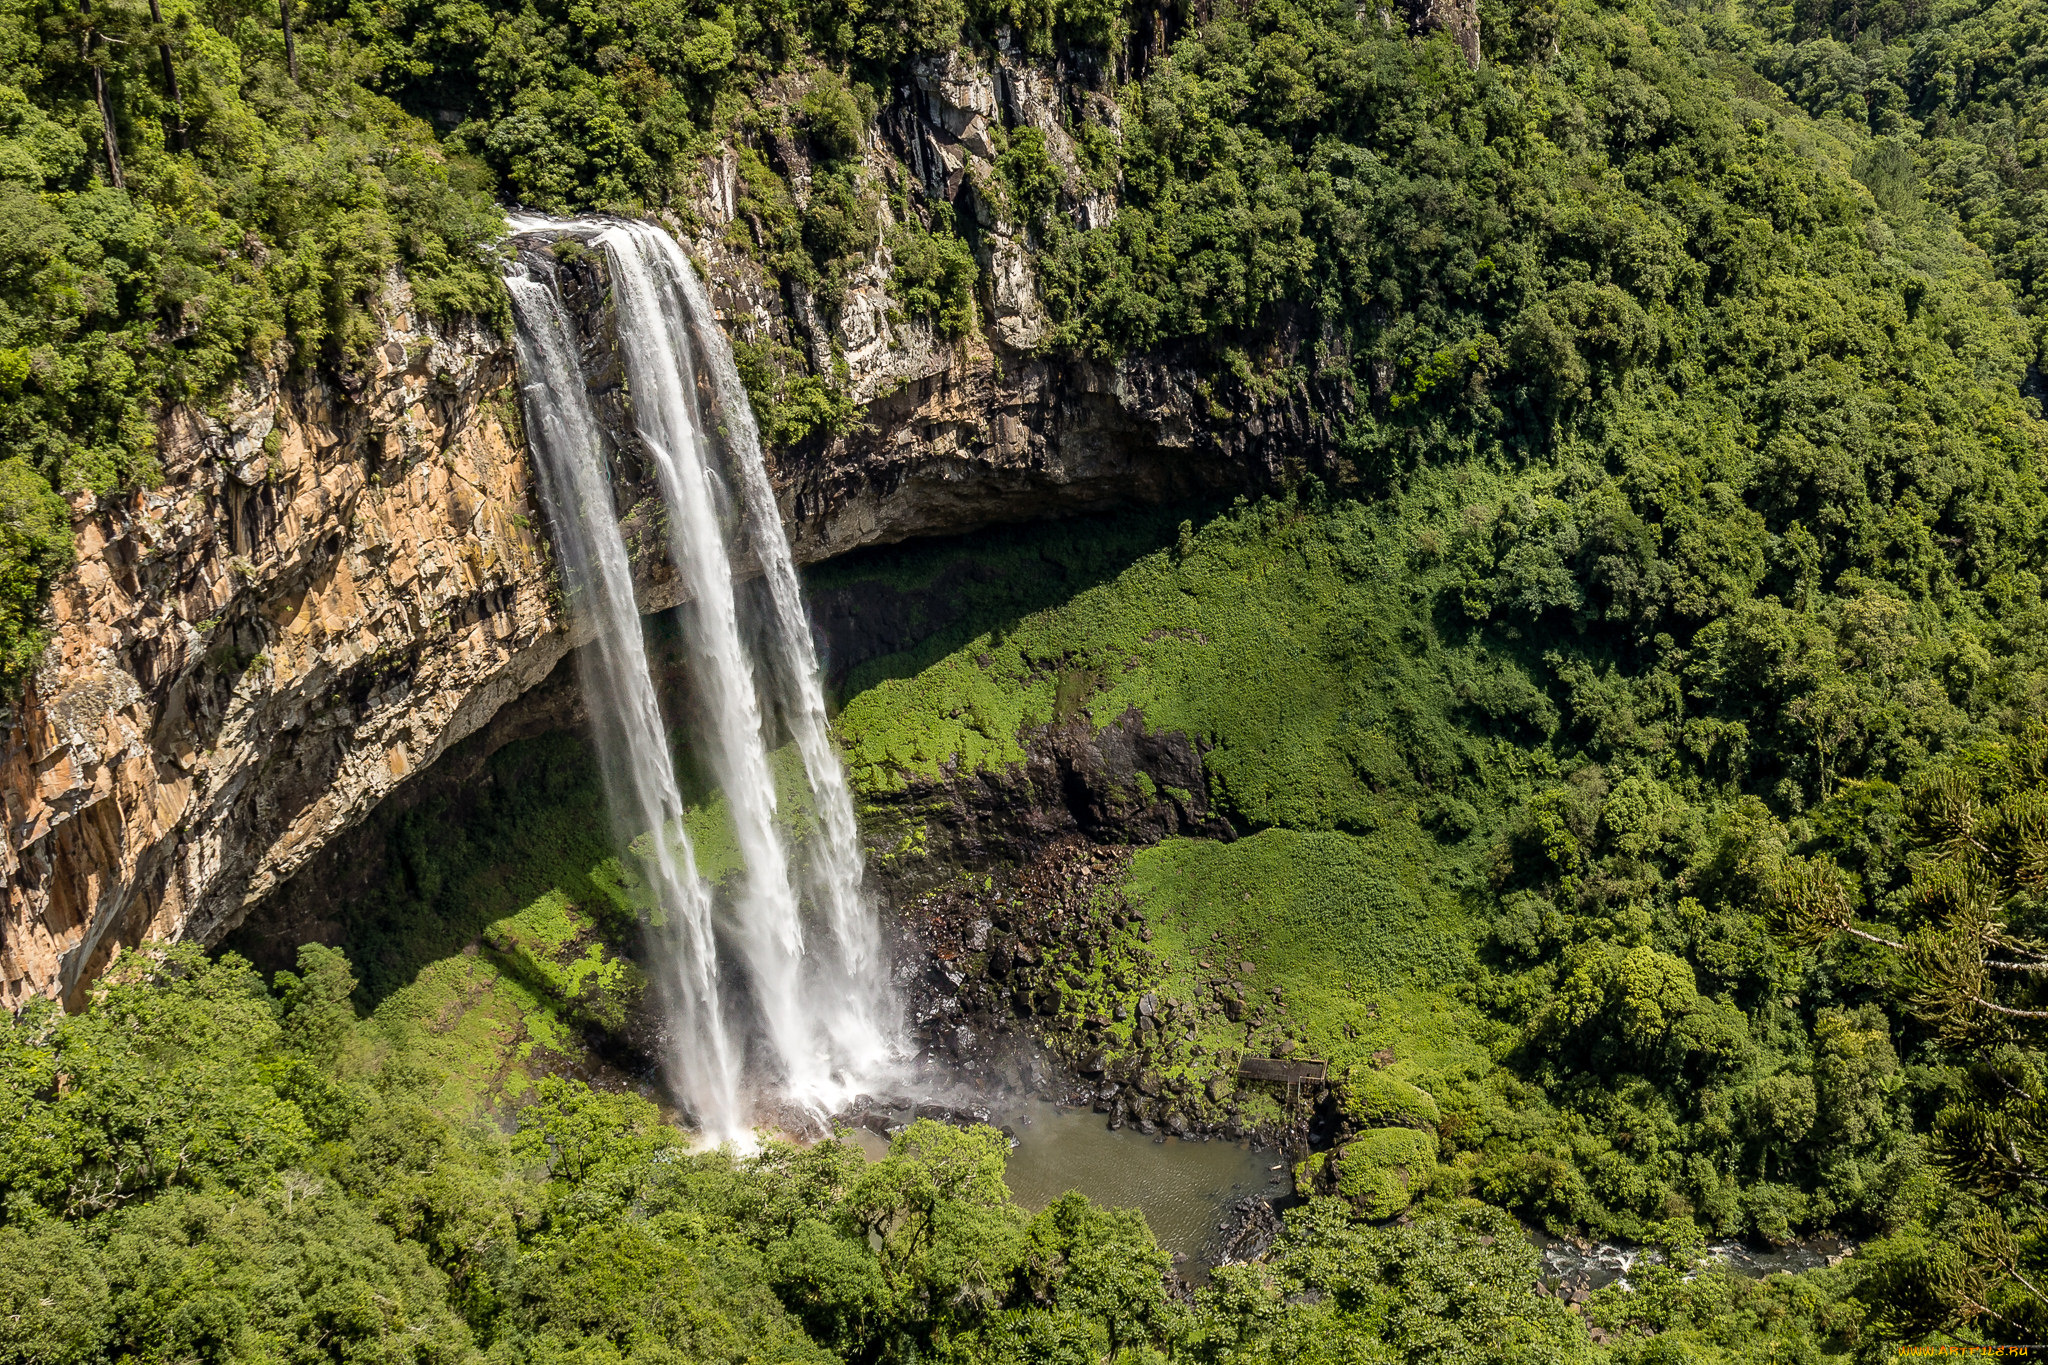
x=327 y=589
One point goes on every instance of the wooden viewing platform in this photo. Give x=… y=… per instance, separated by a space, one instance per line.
x=1306 y=1071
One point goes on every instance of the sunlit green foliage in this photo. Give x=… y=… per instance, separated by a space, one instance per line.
x=258 y=217
x=1957 y=98
x=1685 y=537
x=934 y=277
x=1447 y=1287
x=35 y=545
x=794 y=405
x=1706 y=506
x=200 y=1169
x=1958 y=928
x=263 y=210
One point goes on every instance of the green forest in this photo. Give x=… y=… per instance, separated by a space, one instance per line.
x=201 y=1169
x=1631 y=703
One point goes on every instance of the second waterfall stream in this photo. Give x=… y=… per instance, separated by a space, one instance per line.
x=777 y=988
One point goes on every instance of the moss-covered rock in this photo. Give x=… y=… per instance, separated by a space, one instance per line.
x=554 y=947
x=1379 y=1171
x=1377 y=1100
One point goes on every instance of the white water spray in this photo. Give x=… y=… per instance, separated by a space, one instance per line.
x=856 y=976
x=822 y=997
x=632 y=740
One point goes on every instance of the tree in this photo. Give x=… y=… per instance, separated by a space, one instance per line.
x=1969 y=961
x=89 y=41
x=1103 y=1265
x=949 y=1236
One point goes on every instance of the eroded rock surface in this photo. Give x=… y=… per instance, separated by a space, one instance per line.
x=327 y=589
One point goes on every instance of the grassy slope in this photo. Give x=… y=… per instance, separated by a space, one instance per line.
x=1361 y=945
x=493 y=935
x=1353 y=741
x=1295 y=639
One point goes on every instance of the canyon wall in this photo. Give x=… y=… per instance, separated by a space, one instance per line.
x=338 y=579
x=327 y=587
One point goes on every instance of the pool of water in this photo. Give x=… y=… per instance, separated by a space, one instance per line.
x=1182 y=1187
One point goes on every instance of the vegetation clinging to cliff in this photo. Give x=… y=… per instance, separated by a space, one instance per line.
x=223 y=201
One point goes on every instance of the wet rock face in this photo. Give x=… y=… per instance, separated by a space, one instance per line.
x=1249 y=1230
x=1044 y=924
x=1122 y=784
x=580 y=276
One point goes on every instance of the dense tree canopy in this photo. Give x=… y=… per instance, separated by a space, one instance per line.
x=197 y=1168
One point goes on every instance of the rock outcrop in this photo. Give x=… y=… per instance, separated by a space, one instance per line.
x=328 y=587
x=958 y=435
x=1459 y=18
x=1120 y=784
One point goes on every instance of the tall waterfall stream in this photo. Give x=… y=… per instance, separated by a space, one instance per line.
x=784 y=981
x=777 y=989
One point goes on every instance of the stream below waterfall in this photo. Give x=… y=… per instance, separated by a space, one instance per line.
x=1181 y=1186
x=1573 y=1268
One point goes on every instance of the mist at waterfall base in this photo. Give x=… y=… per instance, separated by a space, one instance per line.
x=776 y=989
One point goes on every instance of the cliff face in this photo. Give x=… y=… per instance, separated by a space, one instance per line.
x=335 y=583
x=326 y=589
x=962 y=434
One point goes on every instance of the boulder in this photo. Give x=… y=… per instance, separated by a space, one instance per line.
x=1376 y=1100
x=1380 y=1171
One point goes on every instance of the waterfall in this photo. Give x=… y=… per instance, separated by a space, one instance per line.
x=632 y=739
x=808 y=946
x=858 y=976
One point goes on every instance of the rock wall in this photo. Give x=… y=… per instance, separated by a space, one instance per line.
x=328 y=587
x=337 y=581
x=1459 y=18
x=958 y=435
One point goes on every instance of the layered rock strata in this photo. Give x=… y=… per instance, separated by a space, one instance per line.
x=328 y=587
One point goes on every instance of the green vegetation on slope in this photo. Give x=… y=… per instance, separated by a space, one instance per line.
x=526 y=851
x=1364 y=951
x=1702 y=554
x=256 y=214
x=1957 y=98
x=1536 y=901
x=1707 y=528
x=523 y=866
x=1285 y=635
x=198 y=1169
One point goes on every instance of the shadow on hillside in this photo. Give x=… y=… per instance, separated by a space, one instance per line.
x=893 y=611
x=424 y=878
